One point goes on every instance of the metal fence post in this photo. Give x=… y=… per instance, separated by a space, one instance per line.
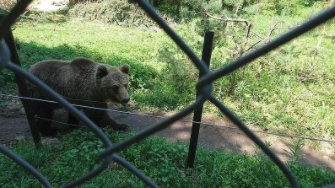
x=21 y=82
x=206 y=57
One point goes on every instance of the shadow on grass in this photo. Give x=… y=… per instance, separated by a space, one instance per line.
x=148 y=87
x=230 y=140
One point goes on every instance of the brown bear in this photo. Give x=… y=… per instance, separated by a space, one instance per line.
x=81 y=82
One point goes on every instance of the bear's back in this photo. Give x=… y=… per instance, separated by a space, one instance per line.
x=70 y=79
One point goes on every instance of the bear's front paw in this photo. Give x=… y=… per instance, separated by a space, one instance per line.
x=122 y=128
x=51 y=132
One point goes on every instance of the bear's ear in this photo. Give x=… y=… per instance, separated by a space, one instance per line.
x=101 y=71
x=125 y=68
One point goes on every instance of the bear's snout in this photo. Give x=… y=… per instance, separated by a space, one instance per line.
x=126 y=100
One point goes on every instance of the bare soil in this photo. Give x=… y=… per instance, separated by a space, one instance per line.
x=14 y=127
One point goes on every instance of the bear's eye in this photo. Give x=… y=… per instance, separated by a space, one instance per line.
x=115 y=88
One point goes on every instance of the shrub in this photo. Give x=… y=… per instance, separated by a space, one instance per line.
x=7 y=5
x=112 y=12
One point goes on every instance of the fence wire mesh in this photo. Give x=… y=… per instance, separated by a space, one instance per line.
x=204 y=87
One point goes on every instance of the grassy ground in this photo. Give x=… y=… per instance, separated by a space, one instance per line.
x=163 y=162
x=286 y=91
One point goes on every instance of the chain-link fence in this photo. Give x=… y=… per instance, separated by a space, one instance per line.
x=204 y=88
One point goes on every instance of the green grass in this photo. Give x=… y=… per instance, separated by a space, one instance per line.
x=143 y=49
x=161 y=161
x=284 y=89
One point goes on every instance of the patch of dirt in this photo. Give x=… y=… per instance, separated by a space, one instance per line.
x=14 y=127
x=13 y=124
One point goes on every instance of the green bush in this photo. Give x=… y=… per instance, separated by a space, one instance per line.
x=6 y=76
x=112 y=12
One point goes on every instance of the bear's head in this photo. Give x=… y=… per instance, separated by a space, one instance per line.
x=113 y=83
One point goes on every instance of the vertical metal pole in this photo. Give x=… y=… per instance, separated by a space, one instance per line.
x=21 y=82
x=206 y=57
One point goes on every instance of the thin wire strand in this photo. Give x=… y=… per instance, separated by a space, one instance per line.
x=159 y=125
x=212 y=125
x=285 y=170
x=71 y=99
x=60 y=122
x=162 y=117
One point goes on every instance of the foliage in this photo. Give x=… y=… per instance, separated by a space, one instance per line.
x=163 y=162
x=7 y=5
x=282 y=90
x=285 y=91
x=112 y=12
x=7 y=86
x=294 y=149
x=6 y=77
x=184 y=9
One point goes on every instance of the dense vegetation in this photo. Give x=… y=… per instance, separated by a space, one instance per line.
x=286 y=91
x=163 y=162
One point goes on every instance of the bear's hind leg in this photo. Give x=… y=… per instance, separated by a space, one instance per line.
x=44 y=126
x=43 y=110
x=72 y=120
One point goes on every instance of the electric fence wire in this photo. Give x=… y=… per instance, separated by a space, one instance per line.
x=160 y=117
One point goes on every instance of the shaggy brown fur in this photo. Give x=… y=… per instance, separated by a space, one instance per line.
x=80 y=79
